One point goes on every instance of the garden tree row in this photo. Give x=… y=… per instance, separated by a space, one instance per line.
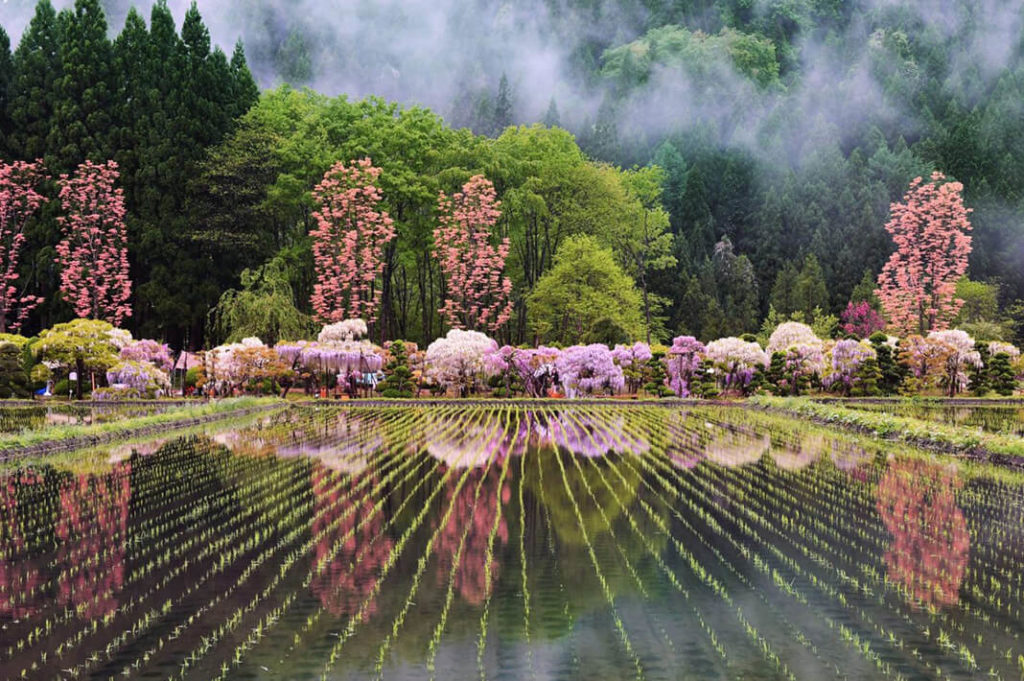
x=151 y=99
x=92 y=252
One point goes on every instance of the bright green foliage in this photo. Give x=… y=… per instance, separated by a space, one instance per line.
x=13 y=379
x=585 y=298
x=399 y=381
x=79 y=345
x=1001 y=376
x=263 y=308
x=865 y=290
x=695 y=54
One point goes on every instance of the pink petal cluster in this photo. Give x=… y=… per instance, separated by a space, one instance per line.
x=348 y=242
x=861 y=320
x=19 y=201
x=93 y=252
x=930 y=228
x=460 y=358
x=147 y=350
x=478 y=296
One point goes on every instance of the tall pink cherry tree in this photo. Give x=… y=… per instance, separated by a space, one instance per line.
x=478 y=295
x=348 y=243
x=93 y=252
x=19 y=201
x=917 y=285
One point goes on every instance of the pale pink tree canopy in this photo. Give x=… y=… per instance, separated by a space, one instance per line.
x=93 y=252
x=478 y=294
x=19 y=201
x=930 y=228
x=348 y=243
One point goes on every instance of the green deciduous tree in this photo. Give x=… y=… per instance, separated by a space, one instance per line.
x=585 y=297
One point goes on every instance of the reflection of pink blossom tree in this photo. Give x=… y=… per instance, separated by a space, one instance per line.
x=20 y=576
x=93 y=253
x=348 y=572
x=18 y=202
x=478 y=296
x=91 y=526
x=929 y=551
x=475 y=519
x=348 y=242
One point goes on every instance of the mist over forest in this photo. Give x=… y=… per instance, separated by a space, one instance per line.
x=783 y=129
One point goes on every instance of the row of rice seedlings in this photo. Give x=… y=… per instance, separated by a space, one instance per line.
x=843 y=577
x=248 y=537
x=489 y=561
x=435 y=640
x=609 y=597
x=225 y=549
x=981 y=557
x=794 y=631
x=784 y=587
x=210 y=541
x=392 y=559
x=554 y=561
x=271 y=618
x=312 y=620
x=288 y=562
x=424 y=560
x=524 y=582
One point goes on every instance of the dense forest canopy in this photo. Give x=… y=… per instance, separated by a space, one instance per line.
x=781 y=130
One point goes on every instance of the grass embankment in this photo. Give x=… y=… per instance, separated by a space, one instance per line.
x=62 y=438
x=927 y=434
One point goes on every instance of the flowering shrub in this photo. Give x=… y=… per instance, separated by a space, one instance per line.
x=459 y=359
x=139 y=376
x=789 y=334
x=737 y=360
x=588 y=369
x=861 y=320
x=345 y=330
x=146 y=350
x=845 y=360
x=960 y=355
x=683 y=361
x=632 y=359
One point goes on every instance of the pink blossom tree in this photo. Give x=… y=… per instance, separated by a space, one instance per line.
x=930 y=228
x=861 y=320
x=348 y=243
x=93 y=252
x=19 y=200
x=478 y=295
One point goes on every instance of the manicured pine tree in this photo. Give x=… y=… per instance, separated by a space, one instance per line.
x=82 y=121
x=705 y=384
x=399 y=378
x=33 y=95
x=776 y=374
x=979 y=376
x=657 y=376
x=1001 y=376
x=892 y=372
x=869 y=375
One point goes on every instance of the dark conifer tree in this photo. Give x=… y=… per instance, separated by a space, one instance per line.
x=6 y=76
x=502 y=107
x=33 y=95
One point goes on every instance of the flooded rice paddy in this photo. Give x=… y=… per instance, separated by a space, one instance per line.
x=512 y=542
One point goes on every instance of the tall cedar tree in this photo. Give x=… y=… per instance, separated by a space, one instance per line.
x=33 y=97
x=82 y=121
x=6 y=76
x=19 y=201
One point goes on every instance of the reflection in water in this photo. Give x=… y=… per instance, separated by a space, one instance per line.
x=347 y=553
x=92 y=525
x=604 y=516
x=474 y=516
x=929 y=551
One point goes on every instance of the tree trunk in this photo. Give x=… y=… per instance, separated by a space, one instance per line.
x=80 y=373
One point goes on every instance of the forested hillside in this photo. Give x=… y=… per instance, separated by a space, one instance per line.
x=732 y=156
